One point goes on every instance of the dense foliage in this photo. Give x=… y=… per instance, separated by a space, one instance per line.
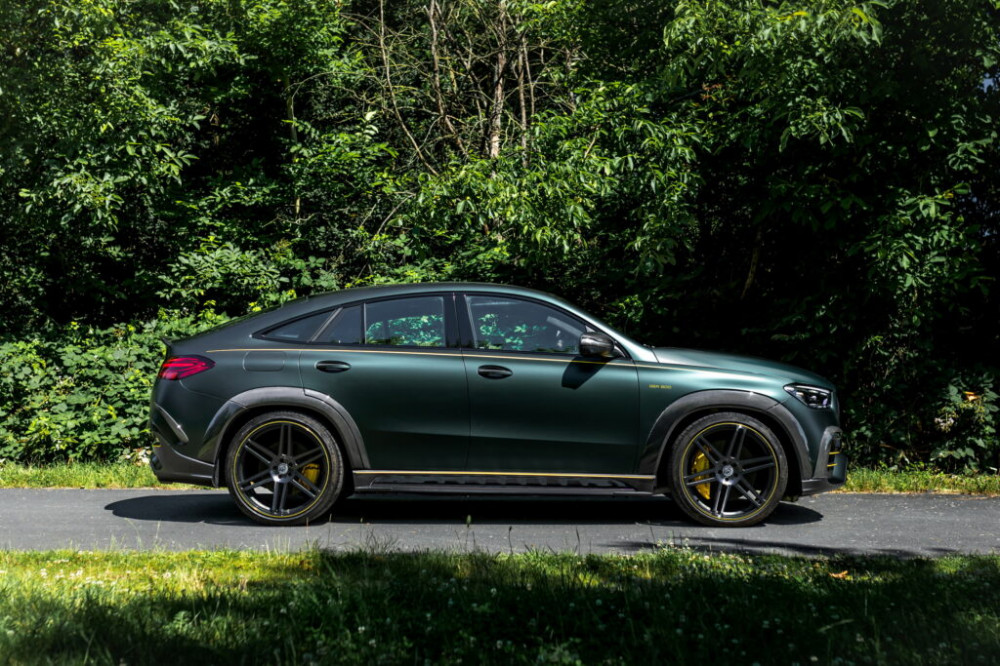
x=811 y=181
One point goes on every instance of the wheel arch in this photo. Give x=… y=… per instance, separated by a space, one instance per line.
x=684 y=411
x=245 y=406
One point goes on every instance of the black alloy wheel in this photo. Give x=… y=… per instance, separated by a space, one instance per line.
x=728 y=469
x=284 y=468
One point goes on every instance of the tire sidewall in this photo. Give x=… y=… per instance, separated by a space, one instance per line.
x=681 y=446
x=332 y=456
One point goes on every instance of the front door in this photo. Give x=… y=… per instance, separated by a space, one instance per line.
x=536 y=405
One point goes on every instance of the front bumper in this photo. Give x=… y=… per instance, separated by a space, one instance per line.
x=830 y=471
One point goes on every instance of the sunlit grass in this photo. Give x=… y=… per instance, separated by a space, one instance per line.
x=79 y=475
x=674 y=606
x=920 y=480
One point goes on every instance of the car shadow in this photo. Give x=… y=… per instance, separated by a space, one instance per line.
x=218 y=509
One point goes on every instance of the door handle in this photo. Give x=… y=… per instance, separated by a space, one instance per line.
x=332 y=366
x=494 y=371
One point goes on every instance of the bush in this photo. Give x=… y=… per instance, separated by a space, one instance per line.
x=84 y=395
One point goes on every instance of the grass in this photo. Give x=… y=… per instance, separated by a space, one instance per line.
x=80 y=475
x=920 y=480
x=130 y=475
x=674 y=606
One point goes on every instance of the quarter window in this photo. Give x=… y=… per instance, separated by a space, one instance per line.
x=510 y=324
x=298 y=330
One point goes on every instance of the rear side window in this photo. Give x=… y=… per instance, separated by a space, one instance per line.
x=402 y=322
x=409 y=322
x=344 y=329
x=298 y=330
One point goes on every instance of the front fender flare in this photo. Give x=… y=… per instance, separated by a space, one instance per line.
x=665 y=427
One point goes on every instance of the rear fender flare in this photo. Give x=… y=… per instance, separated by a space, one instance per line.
x=284 y=397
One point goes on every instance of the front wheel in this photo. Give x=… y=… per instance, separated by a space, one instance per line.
x=284 y=468
x=728 y=469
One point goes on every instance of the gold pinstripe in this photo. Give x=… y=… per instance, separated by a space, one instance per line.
x=462 y=473
x=417 y=353
x=470 y=354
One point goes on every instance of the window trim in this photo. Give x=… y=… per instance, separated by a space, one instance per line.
x=451 y=336
x=314 y=340
x=467 y=337
x=265 y=333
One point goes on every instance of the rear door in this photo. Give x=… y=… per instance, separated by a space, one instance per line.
x=394 y=364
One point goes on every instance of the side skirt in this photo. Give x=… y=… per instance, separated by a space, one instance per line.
x=500 y=483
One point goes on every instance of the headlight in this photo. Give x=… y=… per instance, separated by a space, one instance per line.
x=811 y=396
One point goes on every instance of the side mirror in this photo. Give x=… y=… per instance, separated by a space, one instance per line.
x=597 y=344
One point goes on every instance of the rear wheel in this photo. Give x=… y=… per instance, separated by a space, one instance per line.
x=284 y=468
x=728 y=469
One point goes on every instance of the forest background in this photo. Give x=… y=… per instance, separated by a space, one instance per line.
x=808 y=181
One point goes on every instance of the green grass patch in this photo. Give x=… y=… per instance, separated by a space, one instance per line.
x=674 y=606
x=920 y=480
x=79 y=475
x=131 y=475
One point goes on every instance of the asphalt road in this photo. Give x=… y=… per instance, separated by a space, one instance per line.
x=898 y=525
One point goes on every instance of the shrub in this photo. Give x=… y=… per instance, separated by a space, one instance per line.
x=84 y=394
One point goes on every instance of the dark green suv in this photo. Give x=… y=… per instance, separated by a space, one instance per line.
x=480 y=388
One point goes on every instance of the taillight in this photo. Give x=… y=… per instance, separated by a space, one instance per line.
x=179 y=367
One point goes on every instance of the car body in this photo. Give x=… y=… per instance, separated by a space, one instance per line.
x=481 y=388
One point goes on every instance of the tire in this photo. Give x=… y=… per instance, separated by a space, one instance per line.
x=284 y=468
x=727 y=469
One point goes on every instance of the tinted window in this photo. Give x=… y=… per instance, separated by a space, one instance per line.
x=299 y=330
x=345 y=329
x=415 y=322
x=514 y=325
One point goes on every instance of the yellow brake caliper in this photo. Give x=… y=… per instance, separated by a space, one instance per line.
x=311 y=472
x=700 y=464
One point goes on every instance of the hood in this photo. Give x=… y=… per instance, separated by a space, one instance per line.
x=734 y=363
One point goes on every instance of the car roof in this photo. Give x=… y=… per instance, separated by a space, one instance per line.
x=389 y=290
x=249 y=324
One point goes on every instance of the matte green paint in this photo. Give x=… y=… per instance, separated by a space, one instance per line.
x=552 y=414
x=424 y=409
x=410 y=405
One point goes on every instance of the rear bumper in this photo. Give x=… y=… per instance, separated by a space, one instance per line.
x=168 y=464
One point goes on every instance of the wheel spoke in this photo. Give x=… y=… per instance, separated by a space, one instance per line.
x=303 y=478
x=747 y=491
x=310 y=493
x=285 y=440
x=706 y=447
x=736 y=443
x=699 y=482
x=279 y=497
x=719 y=506
x=258 y=479
x=304 y=459
x=259 y=451
x=699 y=478
x=757 y=464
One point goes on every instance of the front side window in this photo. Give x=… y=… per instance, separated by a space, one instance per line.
x=414 y=322
x=511 y=324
